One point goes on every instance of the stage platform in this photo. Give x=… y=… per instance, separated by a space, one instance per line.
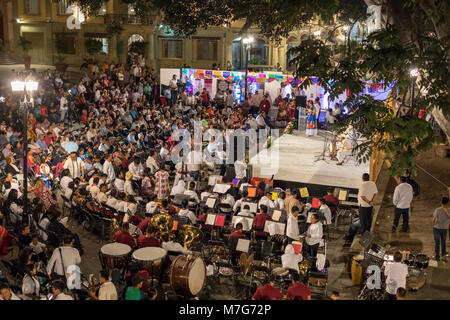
x=292 y=159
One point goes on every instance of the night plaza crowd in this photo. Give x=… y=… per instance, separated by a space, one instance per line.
x=104 y=144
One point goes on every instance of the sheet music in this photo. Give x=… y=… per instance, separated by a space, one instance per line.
x=253 y=206
x=278 y=228
x=221 y=188
x=210 y=202
x=342 y=195
x=308 y=220
x=246 y=222
x=276 y=215
x=212 y=180
x=210 y=219
x=243 y=245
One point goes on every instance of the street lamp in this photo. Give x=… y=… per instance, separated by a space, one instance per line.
x=414 y=73
x=27 y=87
x=247 y=42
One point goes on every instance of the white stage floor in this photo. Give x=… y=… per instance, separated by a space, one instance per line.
x=291 y=158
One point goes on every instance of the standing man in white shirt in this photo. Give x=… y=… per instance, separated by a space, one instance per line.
x=313 y=236
x=403 y=195
x=292 y=231
x=75 y=165
x=240 y=167
x=366 y=197
x=152 y=162
x=173 y=89
x=63 y=259
x=396 y=273
x=108 y=168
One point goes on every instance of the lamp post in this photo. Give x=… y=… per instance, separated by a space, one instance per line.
x=27 y=87
x=247 y=42
x=414 y=74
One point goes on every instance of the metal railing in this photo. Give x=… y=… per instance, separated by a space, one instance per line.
x=128 y=19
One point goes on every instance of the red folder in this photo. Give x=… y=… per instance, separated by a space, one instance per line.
x=297 y=247
x=315 y=203
x=175 y=225
x=220 y=221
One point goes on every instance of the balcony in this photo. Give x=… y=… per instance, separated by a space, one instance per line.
x=127 y=19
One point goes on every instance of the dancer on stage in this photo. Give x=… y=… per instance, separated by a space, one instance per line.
x=311 y=123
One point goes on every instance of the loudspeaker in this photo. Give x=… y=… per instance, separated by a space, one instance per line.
x=300 y=101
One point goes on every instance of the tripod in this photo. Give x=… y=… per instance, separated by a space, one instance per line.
x=324 y=149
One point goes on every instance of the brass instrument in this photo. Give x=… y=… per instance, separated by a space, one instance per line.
x=164 y=223
x=113 y=228
x=190 y=234
x=303 y=267
x=245 y=263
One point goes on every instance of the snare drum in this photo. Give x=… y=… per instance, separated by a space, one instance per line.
x=410 y=260
x=150 y=259
x=187 y=275
x=281 y=277
x=114 y=256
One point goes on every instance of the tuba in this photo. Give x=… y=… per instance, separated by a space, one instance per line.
x=164 y=223
x=190 y=234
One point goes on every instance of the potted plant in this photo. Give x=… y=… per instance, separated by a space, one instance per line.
x=25 y=45
x=138 y=47
x=93 y=47
x=60 y=64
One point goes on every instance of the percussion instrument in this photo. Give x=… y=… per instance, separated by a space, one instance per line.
x=227 y=272
x=422 y=261
x=282 y=278
x=187 y=275
x=357 y=269
x=405 y=255
x=114 y=255
x=410 y=260
x=416 y=279
x=260 y=275
x=150 y=259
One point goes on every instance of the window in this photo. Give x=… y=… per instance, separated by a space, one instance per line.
x=32 y=6
x=62 y=7
x=172 y=49
x=65 y=43
x=104 y=44
x=206 y=49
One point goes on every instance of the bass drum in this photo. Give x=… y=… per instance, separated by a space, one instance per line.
x=188 y=275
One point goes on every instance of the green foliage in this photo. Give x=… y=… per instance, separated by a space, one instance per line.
x=25 y=45
x=93 y=47
x=138 y=47
x=114 y=29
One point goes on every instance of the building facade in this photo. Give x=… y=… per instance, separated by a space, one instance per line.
x=45 y=22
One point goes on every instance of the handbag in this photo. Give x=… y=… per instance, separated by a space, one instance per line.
x=56 y=276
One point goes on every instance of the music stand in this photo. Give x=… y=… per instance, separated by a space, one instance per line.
x=325 y=144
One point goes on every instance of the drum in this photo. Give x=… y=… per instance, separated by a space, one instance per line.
x=357 y=269
x=422 y=261
x=282 y=278
x=114 y=255
x=150 y=259
x=187 y=275
x=410 y=260
x=416 y=279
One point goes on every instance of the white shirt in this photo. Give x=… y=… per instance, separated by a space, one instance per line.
x=267 y=202
x=260 y=121
x=65 y=182
x=316 y=232
x=326 y=213
x=367 y=189
x=128 y=188
x=174 y=247
x=240 y=167
x=107 y=291
x=151 y=163
x=403 y=195
x=94 y=190
x=136 y=170
x=194 y=161
x=150 y=207
x=395 y=273
x=111 y=202
x=30 y=285
x=289 y=259
x=179 y=188
x=119 y=184
x=63 y=296
x=108 y=169
x=74 y=167
x=70 y=257
x=292 y=227
x=189 y=214
x=193 y=197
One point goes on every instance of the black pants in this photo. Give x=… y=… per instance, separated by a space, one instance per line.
x=365 y=217
x=403 y=213
x=311 y=251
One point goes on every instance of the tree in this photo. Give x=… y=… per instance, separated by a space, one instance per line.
x=415 y=34
x=138 y=47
